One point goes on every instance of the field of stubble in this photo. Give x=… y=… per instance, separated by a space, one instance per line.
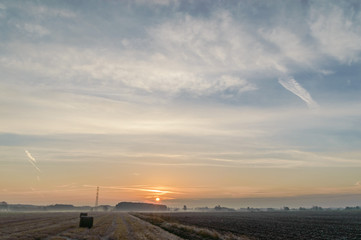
x=183 y=225
x=64 y=226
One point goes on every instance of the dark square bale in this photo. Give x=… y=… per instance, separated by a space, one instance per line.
x=86 y=222
x=83 y=214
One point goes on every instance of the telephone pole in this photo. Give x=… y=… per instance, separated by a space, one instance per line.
x=97 y=197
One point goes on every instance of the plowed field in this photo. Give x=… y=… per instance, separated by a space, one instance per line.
x=285 y=225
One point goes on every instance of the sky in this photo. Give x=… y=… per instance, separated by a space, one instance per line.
x=196 y=102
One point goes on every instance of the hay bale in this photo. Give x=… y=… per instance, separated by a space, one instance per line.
x=86 y=222
x=83 y=214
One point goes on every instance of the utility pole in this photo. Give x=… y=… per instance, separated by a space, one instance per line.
x=97 y=197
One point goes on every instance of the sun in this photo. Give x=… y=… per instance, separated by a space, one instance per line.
x=157 y=199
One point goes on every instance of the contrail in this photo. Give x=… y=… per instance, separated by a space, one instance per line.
x=293 y=86
x=32 y=160
x=29 y=155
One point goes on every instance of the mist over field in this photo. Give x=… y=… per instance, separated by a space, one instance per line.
x=180 y=102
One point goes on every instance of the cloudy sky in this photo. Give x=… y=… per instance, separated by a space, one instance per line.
x=182 y=100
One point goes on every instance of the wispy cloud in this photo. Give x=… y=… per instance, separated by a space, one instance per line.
x=293 y=86
x=30 y=156
x=32 y=160
x=154 y=190
x=33 y=29
x=216 y=55
x=337 y=30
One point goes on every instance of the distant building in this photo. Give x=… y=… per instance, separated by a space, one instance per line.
x=60 y=207
x=131 y=206
x=223 y=209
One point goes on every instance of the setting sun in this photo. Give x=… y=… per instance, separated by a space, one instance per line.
x=157 y=199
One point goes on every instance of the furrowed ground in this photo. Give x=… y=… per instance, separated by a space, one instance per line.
x=268 y=225
x=183 y=225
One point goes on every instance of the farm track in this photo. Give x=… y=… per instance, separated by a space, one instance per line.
x=111 y=229
x=138 y=229
x=64 y=226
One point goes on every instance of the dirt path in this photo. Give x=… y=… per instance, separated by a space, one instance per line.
x=137 y=229
x=111 y=229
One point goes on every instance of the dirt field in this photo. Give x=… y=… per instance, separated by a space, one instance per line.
x=271 y=225
x=183 y=225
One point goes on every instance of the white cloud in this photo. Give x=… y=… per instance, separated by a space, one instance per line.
x=290 y=46
x=293 y=86
x=216 y=55
x=232 y=83
x=107 y=70
x=216 y=44
x=33 y=29
x=32 y=160
x=42 y=11
x=2 y=10
x=156 y=2
x=337 y=30
x=188 y=53
x=30 y=156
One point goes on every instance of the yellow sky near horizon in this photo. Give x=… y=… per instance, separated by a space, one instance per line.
x=127 y=182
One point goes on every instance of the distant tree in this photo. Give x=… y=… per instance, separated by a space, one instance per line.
x=3 y=206
x=352 y=208
x=286 y=208
x=105 y=208
x=202 y=208
x=316 y=208
x=224 y=209
x=185 y=208
x=134 y=206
